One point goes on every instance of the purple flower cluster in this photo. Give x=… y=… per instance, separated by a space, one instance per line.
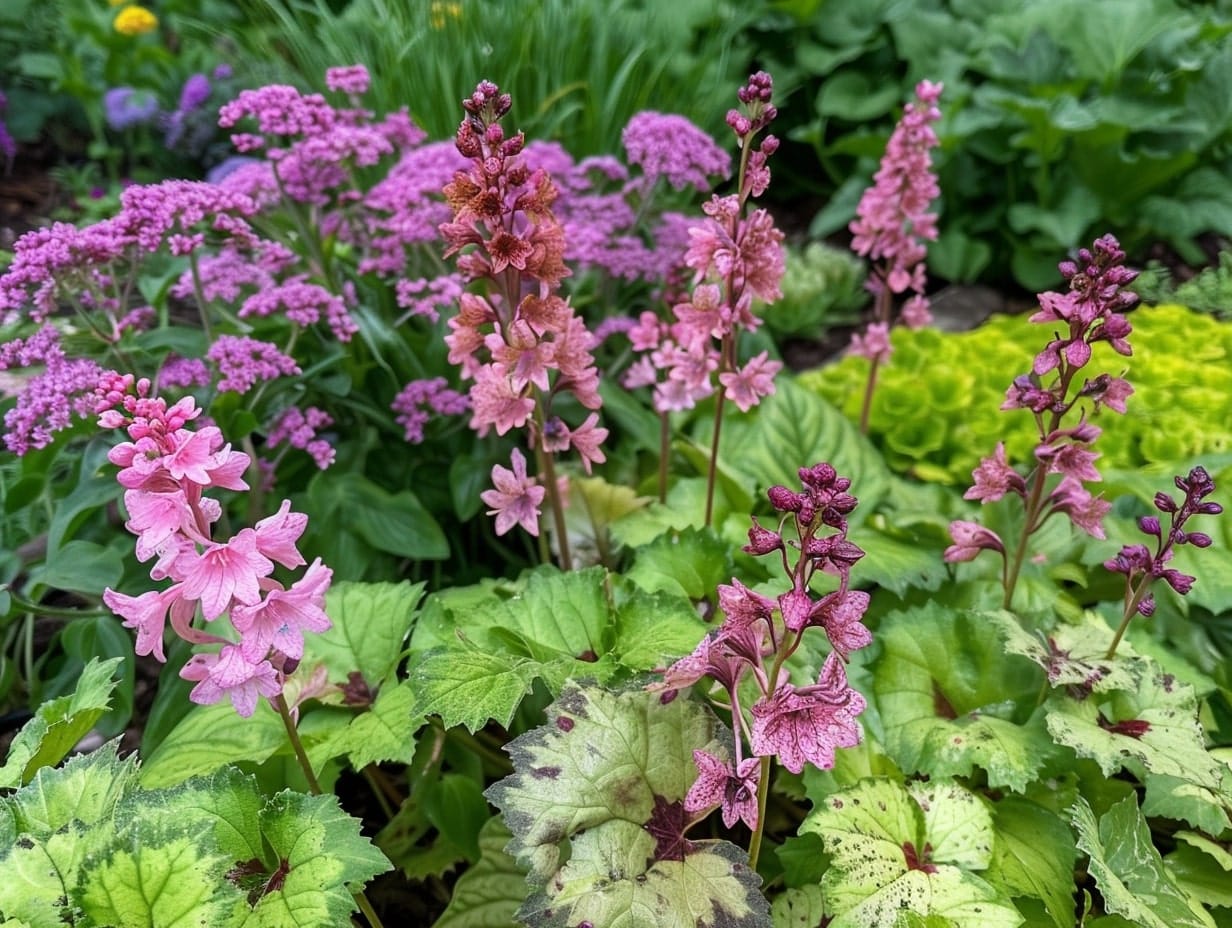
x=49 y=400
x=419 y=397
x=671 y=148
x=1142 y=566
x=244 y=362
x=300 y=429
x=126 y=107
x=797 y=724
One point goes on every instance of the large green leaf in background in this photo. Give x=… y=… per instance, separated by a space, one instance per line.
x=595 y=806
x=951 y=699
x=903 y=856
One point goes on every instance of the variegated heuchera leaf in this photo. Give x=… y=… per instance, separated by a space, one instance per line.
x=1072 y=654
x=899 y=854
x=596 y=808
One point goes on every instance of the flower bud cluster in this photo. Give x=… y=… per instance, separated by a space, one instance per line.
x=1141 y=566
x=166 y=467
x=796 y=724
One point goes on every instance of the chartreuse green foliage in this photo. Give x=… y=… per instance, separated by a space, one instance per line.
x=823 y=287
x=595 y=806
x=475 y=654
x=86 y=844
x=936 y=411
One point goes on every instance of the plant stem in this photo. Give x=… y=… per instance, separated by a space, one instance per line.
x=714 y=455
x=548 y=469
x=665 y=437
x=280 y=703
x=1131 y=607
x=867 y=407
x=1020 y=551
x=199 y=295
x=314 y=787
x=763 y=790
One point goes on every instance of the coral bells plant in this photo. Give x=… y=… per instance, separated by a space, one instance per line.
x=166 y=469
x=1091 y=311
x=521 y=344
x=798 y=725
x=1142 y=566
x=891 y=226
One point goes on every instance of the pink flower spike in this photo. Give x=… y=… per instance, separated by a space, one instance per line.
x=227 y=673
x=277 y=535
x=717 y=784
x=193 y=451
x=282 y=618
x=1084 y=510
x=806 y=725
x=516 y=499
x=747 y=386
x=227 y=571
x=994 y=478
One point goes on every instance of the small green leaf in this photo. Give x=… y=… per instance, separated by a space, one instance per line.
x=653 y=630
x=468 y=685
x=81 y=566
x=456 y=808
x=946 y=692
x=59 y=724
x=371 y=622
x=385 y=732
x=1128 y=869
x=393 y=522
x=691 y=563
x=489 y=893
x=1201 y=875
x=1202 y=806
x=799 y=908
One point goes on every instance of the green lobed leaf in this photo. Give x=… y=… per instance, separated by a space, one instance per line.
x=59 y=724
x=804 y=907
x=489 y=893
x=1204 y=807
x=1033 y=855
x=468 y=685
x=871 y=829
x=946 y=690
x=1072 y=654
x=325 y=853
x=653 y=630
x=691 y=563
x=1201 y=875
x=371 y=622
x=1128 y=869
x=595 y=809
x=384 y=732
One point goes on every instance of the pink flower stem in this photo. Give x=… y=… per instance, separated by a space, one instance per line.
x=199 y=294
x=763 y=791
x=547 y=470
x=1034 y=500
x=714 y=456
x=1132 y=600
x=881 y=313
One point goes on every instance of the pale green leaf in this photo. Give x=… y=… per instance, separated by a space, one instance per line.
x=653 y=630
x=1203 y=806
x=59 y=724
x=869 y=831
x=325 y=854
x=1033 y=855
x=385 y=732
x=489 y=893
x=1128 y=869
x=799 y=908
x=1200 y=875
x=1152 y=730
x=1073 y=654
x=951 y=699
x=595 y=809
x=209 y=737
x=371 y=622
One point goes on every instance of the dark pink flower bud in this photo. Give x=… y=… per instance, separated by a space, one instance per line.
x=1149 y=525
x=1147 y=606
x=784 y=500
x=1164 y=502
x=1208 y=509
x=762 y=540
x=1198 y=539
x=1180 y=582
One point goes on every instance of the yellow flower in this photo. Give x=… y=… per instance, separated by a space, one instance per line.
x=442 y=12
x=135 y=20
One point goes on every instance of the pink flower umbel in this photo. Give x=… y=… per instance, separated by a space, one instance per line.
x=229 y=673
x=516 y=499
x=806 y=725
x=718 y=784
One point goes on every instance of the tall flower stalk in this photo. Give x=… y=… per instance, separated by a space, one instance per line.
x=1089 y=312
x=795 y=724
x=520 y=343
x=891 y=225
